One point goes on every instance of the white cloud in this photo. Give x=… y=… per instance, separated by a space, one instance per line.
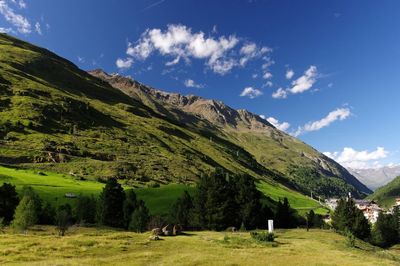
x=267 y=75
x=190 y=83
x=338 y=114
x=38 y=29
x=280 y=94
x=299 y=85
x=124 y=64
x=275 y=122
x=179 y=42
x=352 y=158
x=250 y=51
x=5 y=30
x=305 y=82
x=251 y=92
x=268 y=84
x=289 y=74
x=20 y=22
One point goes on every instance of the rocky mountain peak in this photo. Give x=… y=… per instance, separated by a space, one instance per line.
x=212 y=110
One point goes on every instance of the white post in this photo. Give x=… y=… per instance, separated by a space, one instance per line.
x=270 y=226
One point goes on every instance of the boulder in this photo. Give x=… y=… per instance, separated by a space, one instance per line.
x=156 y=232
x=168 y=230
x=177 y=229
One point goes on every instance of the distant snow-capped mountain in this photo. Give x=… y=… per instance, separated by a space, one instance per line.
x=374 y=178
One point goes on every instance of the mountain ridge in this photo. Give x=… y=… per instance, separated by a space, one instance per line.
x=237 y=124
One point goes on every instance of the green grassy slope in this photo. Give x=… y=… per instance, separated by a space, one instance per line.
x=387 y=194
x=55 y=116
x=93 y=246
x=52 y=188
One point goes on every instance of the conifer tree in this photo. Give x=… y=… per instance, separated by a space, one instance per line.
x=110 y=204
x=85 y=209
x=140 y=218
x=129 y=206
x=25 y=214
x=385 y=232
x=8 y=202
x=181 y=211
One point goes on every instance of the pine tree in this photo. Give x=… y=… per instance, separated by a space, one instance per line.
x=85 y=209
x=129 y=206
x=285 y=215
x=25 y=214
x=140 y=218
x=215 y=204
x=385 y=232
x=48 y=214
x=347 y=217
x=110 y=204
x=8 y=202
x=181 y=211
x=248 y=201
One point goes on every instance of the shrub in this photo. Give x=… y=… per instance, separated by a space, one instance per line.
x=350 y=239
x=263 y=236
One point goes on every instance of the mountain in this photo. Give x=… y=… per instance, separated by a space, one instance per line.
x=271 y=147
x=375 y=178
x=95 y=125
x=387 y=194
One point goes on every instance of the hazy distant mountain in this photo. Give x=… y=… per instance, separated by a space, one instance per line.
x=376 y=177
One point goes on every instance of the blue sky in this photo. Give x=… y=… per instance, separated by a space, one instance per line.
x=325 y=71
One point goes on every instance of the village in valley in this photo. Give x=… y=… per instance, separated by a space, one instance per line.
x=370 y=208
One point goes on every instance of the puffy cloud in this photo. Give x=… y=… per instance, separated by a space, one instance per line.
x=179 y=42
x=289 y=74
x=190 y=83
x=251 y=92
x=124 y=63
x=20 y=22
x=304 y=82
x=338 y=114
x=352 y=158
x=275 y=122
x=280 y=94
x=300 y=85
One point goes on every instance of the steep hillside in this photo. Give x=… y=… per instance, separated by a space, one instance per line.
x=387 y=194
x=55 y=116
x=271 y=147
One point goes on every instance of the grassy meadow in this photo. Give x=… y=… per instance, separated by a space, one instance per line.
x=89 y=246
x=52 y=188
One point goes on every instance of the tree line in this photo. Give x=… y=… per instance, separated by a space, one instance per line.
x=219 y=201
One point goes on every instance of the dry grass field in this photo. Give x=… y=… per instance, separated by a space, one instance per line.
x=91 y=246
